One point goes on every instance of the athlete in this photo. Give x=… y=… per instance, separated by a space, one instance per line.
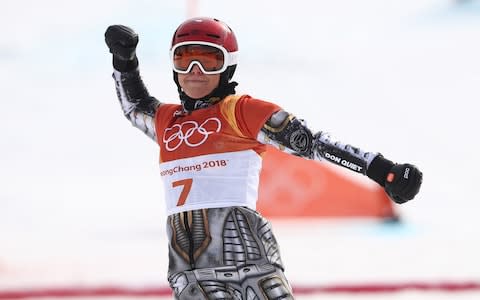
x=211 y=147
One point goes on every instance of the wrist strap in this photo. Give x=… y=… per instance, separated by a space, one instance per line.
x=125 y=65
x=379 y=168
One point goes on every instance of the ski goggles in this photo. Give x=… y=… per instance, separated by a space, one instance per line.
x=209 y=57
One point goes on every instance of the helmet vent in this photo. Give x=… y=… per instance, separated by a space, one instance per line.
x=182 y=35
x=213 y=35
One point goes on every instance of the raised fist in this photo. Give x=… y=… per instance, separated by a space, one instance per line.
x=403 y=182
x=122 y=42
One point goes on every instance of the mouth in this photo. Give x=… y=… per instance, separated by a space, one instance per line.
x=196 y=81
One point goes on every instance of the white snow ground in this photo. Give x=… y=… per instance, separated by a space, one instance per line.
x=80 y=196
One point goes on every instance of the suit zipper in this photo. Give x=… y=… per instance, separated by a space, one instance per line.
x=190 y=240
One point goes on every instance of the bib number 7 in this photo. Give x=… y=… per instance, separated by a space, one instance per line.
x=187 y=185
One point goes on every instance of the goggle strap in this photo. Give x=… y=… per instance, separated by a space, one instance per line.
x=233 y=58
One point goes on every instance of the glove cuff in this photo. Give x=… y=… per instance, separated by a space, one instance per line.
x=125 y=65
x=379 y=168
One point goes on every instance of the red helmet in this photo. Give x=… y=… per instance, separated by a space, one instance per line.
x=208 y=30
x=214 y=33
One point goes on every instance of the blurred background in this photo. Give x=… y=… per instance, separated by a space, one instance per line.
x=80 y=195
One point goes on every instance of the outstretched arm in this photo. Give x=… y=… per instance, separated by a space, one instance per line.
x=137 y=104
x=286 y=132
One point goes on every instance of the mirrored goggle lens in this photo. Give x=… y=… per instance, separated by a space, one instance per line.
x=211 y=58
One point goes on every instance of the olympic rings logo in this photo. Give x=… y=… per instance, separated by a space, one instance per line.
x=190 y=133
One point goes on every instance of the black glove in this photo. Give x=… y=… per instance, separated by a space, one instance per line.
x=122 y=42
x=403 y=182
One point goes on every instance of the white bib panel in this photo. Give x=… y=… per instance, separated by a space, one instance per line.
x=212 y=180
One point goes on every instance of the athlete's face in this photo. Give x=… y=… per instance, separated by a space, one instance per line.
x=196 y=84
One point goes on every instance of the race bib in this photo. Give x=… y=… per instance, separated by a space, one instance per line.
x=213 y=180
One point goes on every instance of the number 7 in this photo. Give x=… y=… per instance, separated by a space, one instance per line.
x=187 y=185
